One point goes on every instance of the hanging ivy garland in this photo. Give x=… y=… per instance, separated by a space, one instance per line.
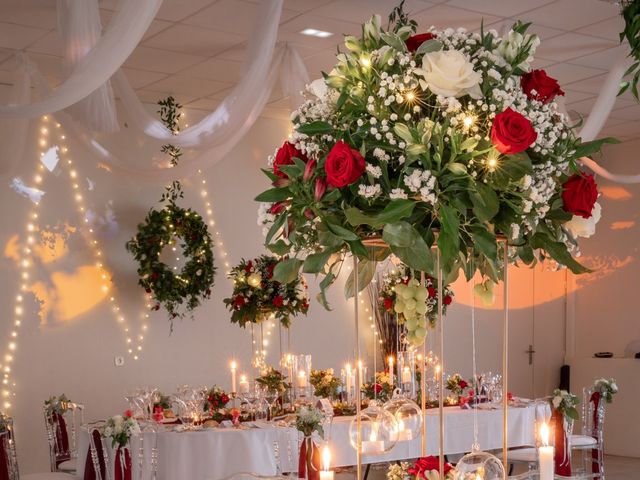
x=170 y=227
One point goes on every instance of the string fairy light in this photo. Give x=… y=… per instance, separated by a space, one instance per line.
x=133 y=342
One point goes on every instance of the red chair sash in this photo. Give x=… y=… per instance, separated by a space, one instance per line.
x=596 y=397
x=123 y=464
x=4 y=457
x=309 y=460
x=89 y=469
x=62 y=439
x=562 y=455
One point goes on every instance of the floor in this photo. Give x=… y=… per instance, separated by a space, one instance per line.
x=617 y=468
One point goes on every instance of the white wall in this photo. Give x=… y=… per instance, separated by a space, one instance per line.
x=77 y=356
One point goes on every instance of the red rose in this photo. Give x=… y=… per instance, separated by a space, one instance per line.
x=278 y=207
x=463 y=384
x=545 y=87
x=344 y=165
x=238 y=302
x=426 y=464
x=225 y=399
x=321 y=187
x=388 y=304
x=270 y=268
x=432 y=292
x=377 y=388
x=447 y=300
x=128 y=414
x=512 y=132
x=284 y=156
x=414 y=41
x=248 y=267
x=579 y=195
x=278 y=301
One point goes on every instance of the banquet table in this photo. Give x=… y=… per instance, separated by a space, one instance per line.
x=213 y=454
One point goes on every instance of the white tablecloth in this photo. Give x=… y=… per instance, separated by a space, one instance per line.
x=214 y=454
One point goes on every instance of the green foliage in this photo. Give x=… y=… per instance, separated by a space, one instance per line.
x=631 y=33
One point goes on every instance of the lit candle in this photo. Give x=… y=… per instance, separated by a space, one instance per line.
x=373 y=446
x=406 y=375
x=437 y=371
x=403 y=432
x=545 y=454
x=325 y=473
x=234 y=366
x=347 y=369
x=360 y=371
x=390 y=361
x=302 y=379
x=244 y=384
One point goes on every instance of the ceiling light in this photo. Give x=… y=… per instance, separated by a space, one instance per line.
x=316 y=33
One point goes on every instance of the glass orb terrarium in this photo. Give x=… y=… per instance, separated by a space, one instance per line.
x=378 y=430
x=479 y=465
x=408 y=417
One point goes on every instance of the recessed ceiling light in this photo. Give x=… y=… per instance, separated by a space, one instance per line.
x=316 y=33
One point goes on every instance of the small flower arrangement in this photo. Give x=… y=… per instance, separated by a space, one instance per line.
x=216 y=399
x=273 y=380
x=256 y=295
x=607 y=387
x=325 y=384
x=309 y=420
x=381 y=388
x=414 y=304
x=456 y=384
x=427 y=468
x=58 y=405
x=565 y=403
x=120 y=428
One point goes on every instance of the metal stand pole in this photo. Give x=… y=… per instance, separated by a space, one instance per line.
x=505 y=357
x=423 y=386
x=441 y=379
x=356 y=288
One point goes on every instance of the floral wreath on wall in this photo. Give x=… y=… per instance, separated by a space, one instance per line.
x=415 y=305
x=257 y=295
x=173 y=227
x=444 y=138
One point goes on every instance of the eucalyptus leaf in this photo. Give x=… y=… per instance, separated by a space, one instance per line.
x=429 y=46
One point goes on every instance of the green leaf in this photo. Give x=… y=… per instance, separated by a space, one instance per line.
x=399 y=234
x=449 y=239
x=287 y=271
x=326 y=238
x=277 y=225
x=280 y=247
x=589 y=148
x=417 y=256
x=393 y=40
x=292 y=171
x=429 y=46
x=485 y=202
x=512 y=168
x=315 y=128
x=484 y=242
x=469 y=143
x=366 y=271
x=315 y=262
x=272 y=195
x=558 y=251
x=394 y=211
x=326 y=282
x=341 y=232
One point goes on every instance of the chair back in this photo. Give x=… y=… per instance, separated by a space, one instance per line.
x=62 y=433
x=8 y=458
x=97 y=464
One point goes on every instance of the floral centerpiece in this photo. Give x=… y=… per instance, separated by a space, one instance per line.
x=216 y=399
x=56 y=405
x=120 y=428
x=456 y=384
x=380 y=388
x=414 y=304
x=426 y=468
x=308 y=421
x=257 y=295
x=324 y=383
x=565 y=403
x=445 y=138
x=273 y=380
x=607 y=387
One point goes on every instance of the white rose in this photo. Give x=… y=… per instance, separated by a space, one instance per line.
x=450 y=74
x=614 y=387
x=556 y=402
x=255 y=279
x=318 y=87
x=584 y=227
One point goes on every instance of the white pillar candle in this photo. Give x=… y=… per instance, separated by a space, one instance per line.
x=406 y=375
x=349 y=380
x=545 y=455
x=325 y=473
x=234 y=366
x=302 y=379
x=244 y=384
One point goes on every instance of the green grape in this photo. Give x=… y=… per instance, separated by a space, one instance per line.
x=399 y=289
x=421 y=333
x=411 y=324
x=407 y=293
x=421 y=307
x=421 y=294
x=399 y=306
x=410 y=304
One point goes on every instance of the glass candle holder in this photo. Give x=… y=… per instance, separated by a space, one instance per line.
x=407 y=374
x=302 y=376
